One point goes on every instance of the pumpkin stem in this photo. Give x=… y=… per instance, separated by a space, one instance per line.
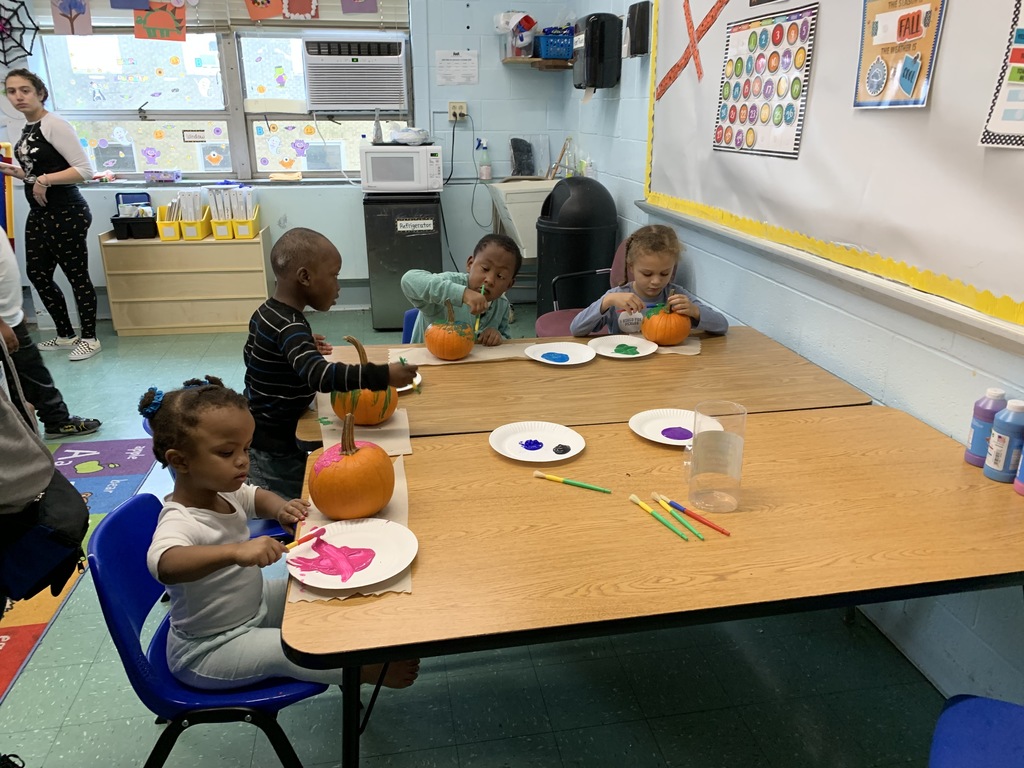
x=360 y=349
x=450 y=309
x=348 y=435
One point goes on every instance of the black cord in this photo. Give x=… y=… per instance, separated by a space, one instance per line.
x=452 y=170
x=447 y=243
x=476 y=183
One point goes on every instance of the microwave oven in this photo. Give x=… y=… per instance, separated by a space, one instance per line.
x=400 y=168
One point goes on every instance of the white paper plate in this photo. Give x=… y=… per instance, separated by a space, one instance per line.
x=668 y=426
x=655 y=424
x=560 y=353
x=416 y=381
x=605 y=346
x=511 y=440
x=394 y=547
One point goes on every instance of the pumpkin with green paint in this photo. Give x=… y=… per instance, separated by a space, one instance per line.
x=367 y=406
x=665 y=327
x=451 y=340
x=351 y=479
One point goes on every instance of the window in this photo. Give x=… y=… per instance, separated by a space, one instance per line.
x=149 y=104
x=105 y=84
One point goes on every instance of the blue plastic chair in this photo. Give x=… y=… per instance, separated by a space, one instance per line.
x=127 y=593
x=978 y=732
x=408 y=323
x=258 y=527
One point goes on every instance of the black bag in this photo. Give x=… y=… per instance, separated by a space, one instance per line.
x=42 y=545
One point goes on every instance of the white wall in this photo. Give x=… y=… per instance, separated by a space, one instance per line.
x=929 y=365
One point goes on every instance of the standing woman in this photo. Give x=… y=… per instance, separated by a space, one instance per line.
x=52 y=163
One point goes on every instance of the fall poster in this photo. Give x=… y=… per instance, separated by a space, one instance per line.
x=163 y=21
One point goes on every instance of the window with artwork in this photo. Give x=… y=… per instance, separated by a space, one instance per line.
x=161 y=104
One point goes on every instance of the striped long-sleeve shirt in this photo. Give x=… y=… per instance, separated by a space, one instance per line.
x=284 y=370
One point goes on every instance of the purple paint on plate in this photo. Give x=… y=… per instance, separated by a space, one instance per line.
x=677 y=433
x=532 y=445
x=556 y=357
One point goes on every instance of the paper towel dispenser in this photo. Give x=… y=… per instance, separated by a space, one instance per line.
x=597 y=51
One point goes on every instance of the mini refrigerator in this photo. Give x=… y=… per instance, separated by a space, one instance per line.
x=403 y=232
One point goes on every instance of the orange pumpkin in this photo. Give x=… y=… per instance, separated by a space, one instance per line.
x=368 y=406
x=352 y=479
x=449 y=341
x=664 y=327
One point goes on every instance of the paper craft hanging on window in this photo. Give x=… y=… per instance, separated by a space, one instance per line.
x=71 y=17
x=130 y=5
x=163 y=21
x=264 y=9
x=358 y=6
x=18 y=32
x=301 y=9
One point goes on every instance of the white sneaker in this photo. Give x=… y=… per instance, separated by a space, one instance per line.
x=59 y=342
x=84 y=349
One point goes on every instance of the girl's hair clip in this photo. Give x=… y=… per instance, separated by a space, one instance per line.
x=158 y=397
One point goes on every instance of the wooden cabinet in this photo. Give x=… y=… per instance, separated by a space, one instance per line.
x=184 y=286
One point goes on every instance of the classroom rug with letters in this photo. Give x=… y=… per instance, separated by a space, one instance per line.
x=106 y=473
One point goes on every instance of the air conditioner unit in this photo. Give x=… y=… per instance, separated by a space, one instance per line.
x=356 y=71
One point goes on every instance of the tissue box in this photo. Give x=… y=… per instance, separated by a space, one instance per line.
x=169 y=175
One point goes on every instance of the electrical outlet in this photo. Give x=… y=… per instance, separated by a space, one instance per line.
x=457 y=110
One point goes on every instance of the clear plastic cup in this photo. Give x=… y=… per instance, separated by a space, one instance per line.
x=716 y=468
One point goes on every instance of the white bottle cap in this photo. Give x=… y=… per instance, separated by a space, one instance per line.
x=995 y=393
x=1017 y=406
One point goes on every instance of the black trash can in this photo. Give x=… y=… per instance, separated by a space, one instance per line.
x=577 y=230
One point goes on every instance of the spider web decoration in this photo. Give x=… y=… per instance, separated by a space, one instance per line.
x=18 y=31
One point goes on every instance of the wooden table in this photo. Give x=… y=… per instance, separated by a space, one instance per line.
x=744 y=366
x=840 y=506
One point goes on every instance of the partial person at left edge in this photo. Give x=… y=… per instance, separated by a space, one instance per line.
x=52 y=163
x=33 y=376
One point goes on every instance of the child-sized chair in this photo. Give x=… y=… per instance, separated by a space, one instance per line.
x=127 y=593
x=556 y=322
x=975 y=731
x=408 y=323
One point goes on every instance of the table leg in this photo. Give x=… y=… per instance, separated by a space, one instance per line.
x=350 y=717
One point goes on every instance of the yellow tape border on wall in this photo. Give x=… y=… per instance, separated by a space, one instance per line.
x=999 y=307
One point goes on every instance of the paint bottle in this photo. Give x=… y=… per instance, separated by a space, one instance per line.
x=985 y=411
x=1018 y=482
x=1004 y=446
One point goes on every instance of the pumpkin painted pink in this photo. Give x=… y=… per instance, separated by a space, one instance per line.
x=351 y=479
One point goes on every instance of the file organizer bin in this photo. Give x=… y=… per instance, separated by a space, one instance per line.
x=168 y=230
x=197 y=230
x=247 y=229
x=222 y=230
x=134 y=227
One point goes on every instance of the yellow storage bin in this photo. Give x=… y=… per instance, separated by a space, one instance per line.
x=247 y=230
x=168 y=230
x=197 y=230
x=222 y=230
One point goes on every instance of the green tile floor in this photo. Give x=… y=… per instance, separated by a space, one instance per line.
x=783 y=692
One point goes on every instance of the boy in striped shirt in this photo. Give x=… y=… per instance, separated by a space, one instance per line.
x=284 y=360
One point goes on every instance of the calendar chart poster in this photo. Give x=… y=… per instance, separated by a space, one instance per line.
x=1005 y=124
x=898 y=47
x=763 y=95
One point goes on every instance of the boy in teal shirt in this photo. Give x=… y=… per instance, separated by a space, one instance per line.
x=477 y=294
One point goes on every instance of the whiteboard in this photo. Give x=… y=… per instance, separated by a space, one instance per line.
x=905 y=193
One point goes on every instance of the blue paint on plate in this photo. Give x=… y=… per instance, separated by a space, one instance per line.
x=556 y=357
x=532 y=445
